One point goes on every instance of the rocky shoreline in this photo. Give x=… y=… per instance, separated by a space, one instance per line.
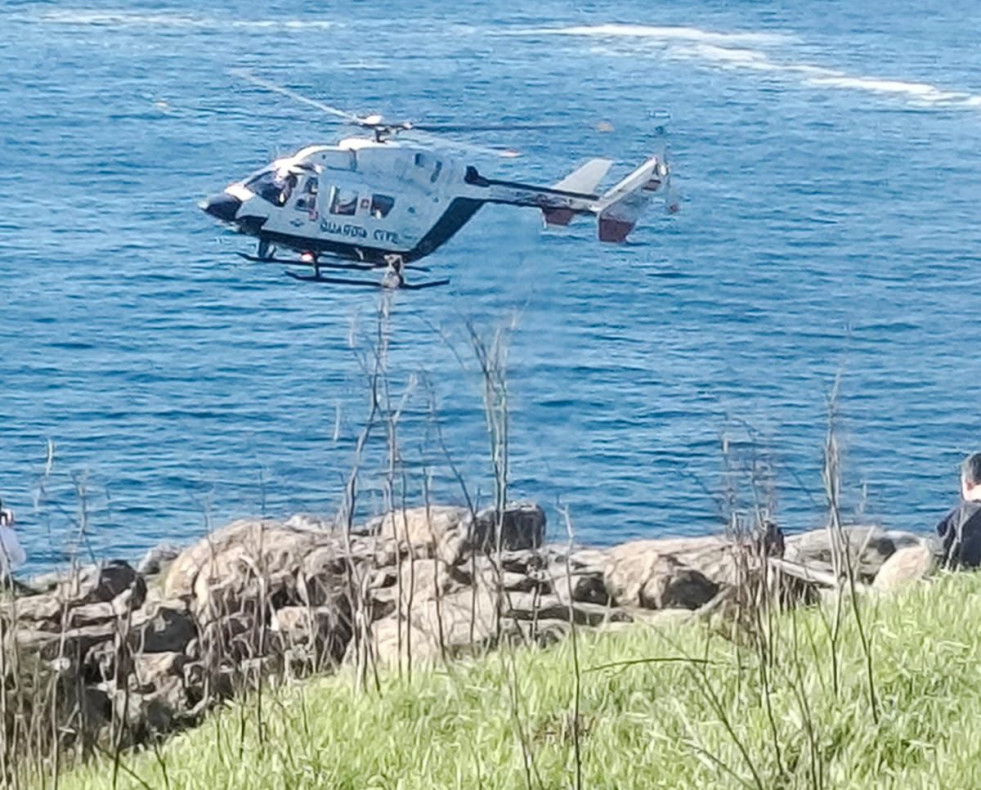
x=130 y=653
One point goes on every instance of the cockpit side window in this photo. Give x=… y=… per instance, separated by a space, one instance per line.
x=381 y=205
x=344 y=202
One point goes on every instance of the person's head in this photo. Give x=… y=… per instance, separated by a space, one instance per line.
x=971 y=476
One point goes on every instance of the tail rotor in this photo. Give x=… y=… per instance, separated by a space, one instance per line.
x=672 y=199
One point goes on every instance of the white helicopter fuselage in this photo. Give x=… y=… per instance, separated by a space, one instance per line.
x=367 y=199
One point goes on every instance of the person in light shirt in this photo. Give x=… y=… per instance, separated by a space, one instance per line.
x=11 y=554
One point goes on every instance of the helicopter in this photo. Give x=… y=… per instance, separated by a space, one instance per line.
x=389 y=198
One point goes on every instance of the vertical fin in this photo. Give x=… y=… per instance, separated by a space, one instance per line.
x=621 y=207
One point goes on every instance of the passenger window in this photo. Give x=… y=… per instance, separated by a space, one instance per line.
x=381 y=205
x=307 y=201
x=344 y=202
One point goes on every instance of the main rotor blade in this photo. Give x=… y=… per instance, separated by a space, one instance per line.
x=248 y=76
x=470 y=148
x=480 y=127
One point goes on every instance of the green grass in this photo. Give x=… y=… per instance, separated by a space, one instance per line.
x=654 y=724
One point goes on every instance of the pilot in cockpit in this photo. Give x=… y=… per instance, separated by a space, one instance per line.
x=285 y=182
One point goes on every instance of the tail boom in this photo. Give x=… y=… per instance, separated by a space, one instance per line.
x=617 y=211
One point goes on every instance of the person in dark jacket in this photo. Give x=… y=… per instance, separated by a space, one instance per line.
x=960 y=529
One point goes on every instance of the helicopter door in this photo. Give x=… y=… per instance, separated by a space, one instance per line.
x=307 y=198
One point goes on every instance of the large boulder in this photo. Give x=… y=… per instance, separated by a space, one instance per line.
x=162 y=629
x=864 y=548
x=246 y=584
x=72 y=644
x=158 y=559
x=672 y=572
x=520 y=526
x=426 y=579
x=463 y=622
x=673 y=585
x=426 y=525
x=454 y=533
x=265 y=547
x=580 y=577
x=905 y=567
x=85 y=596
x=251 y=565
x=101 y=583
x=316 y=634
x=44 y=612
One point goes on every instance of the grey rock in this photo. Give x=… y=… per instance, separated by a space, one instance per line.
x=150 y=669
x=91 y=614
x=165 y=629
x=157 y=559
x=905 y=567
x=676 y=586
x=524 y=561
x=44 y=612
x=320 y=629
x=639 y=573
x=522 y=526
x=311 y=521
x=157 y=711
x=579 y=584
x=73 y=643
x=866 y=548
x=454 y=533
x=262 y=548
x=525 y=606
x=423 y=526
x=461 y=623
x=101 y=583
x=520 y=582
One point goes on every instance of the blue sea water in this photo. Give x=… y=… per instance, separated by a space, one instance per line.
x=827 y=157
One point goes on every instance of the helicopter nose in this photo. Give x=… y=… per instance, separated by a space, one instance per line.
x=222 y=206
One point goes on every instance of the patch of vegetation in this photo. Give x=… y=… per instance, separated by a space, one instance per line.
x=786 y=703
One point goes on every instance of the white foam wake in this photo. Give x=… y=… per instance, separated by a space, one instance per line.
x=657 y=33
x=738 y=51
x=916 y=91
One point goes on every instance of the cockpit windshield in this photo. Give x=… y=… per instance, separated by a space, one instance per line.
x=273 y=185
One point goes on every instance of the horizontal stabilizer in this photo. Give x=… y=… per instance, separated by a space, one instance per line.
x=583 y=180
x=622 y=206
x=586 y=178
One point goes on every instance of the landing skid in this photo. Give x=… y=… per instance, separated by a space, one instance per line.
x=358 y=267
x=404 y=286
x=343 y=266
